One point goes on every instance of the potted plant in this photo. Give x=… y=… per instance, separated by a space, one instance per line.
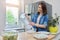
x=53 y=22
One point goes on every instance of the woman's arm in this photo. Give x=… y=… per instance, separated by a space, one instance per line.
x=37 y=25
x=41 y=26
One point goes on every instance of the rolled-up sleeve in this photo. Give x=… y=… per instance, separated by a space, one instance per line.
x=46 y=21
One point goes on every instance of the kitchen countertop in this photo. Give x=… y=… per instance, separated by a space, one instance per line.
x=27 y=36
x=0 y=38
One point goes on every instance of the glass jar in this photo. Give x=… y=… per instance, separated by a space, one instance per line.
x=10 y=35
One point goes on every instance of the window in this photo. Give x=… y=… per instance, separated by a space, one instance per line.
x=12 y=14
x=15 y=2
x=12 y=11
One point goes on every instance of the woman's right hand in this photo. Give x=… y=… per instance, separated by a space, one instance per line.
x=27 y=16
x=32 y=23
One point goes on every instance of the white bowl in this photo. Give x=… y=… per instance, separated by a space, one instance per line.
x=40 y=36
x=30 y=31
x=42 y=32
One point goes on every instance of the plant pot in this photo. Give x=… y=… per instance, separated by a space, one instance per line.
x=53 y=29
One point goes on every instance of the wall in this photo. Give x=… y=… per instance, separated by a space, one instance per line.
x=56 y=6
x=21 y=5
x=2 y=15
x=36 y=1
x=28 y=1
x=56 y=9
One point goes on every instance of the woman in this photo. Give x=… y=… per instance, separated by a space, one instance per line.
x=40 y=19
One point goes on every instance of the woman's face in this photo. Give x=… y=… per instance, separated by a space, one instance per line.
x=40 y=8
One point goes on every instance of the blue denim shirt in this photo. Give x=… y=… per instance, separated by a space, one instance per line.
x=43 y=21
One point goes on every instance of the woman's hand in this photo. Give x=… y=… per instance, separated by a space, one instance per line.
x=32 y=23
x=37 y=25
x=27 y=16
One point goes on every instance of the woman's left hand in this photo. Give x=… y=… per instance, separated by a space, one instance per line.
x=37 y=25
x=34 y=24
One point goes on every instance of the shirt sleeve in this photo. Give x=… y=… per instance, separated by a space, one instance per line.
x=46 y=21
x=33 y=17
